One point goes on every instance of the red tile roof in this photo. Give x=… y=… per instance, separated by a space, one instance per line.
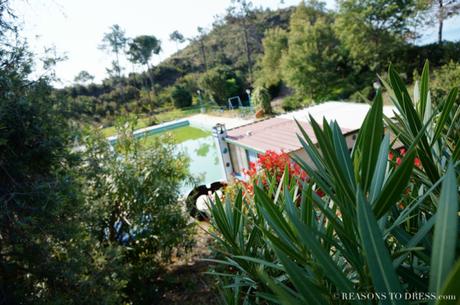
x=274 y=134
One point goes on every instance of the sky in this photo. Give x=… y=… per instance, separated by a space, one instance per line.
x=76 y=27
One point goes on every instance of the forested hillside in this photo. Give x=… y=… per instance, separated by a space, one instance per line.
x=317 y=53
x=219 y=55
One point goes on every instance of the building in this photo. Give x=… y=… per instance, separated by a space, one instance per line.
x=241 y=145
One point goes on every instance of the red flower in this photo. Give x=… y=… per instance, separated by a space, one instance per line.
x=402 y=152
x=398 y=161
x=390 y=156
x=320 y=193
x=417 y=162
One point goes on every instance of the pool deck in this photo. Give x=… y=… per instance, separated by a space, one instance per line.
x=207 y=122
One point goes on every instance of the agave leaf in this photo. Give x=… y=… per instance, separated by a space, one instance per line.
x=422 y=232
x=310 y=242
x=343 y=155
x=369 y=139
x=382 y=273
x=424 y=88
x=380 y=169
x=446 y=111
x=452 y=286
x=301 y=281
x=394 y=186
x=445 y=232
x=285 y=295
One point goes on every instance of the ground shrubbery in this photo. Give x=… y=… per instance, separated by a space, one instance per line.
x=363 y=221
x=261 y=99
x=293 y=102
x=133 y=195
x=80 y=223
x=181 y=97
x=220 y=83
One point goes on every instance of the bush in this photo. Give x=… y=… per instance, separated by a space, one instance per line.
x=363 y=95
x=261 y=99
x=446 y=78
x=291 y=103
x=48 y=255
x=134 y=195
x=220 y=83
x=181 y=97
x=363 y=220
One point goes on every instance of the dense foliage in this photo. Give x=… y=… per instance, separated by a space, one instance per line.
x=380 y=224
x=47 y=256
x=220 y=83
x=80 y=222
x=309 y=51
x=261 y=99
x=133 y=195
x=181 y=97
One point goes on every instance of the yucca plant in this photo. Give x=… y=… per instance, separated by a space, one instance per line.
x=383 y=233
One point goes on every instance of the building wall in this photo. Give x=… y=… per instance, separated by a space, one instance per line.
x=239 y=155
x=239 y=158
x=350 y=139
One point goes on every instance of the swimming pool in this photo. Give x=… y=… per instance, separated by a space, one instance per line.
x=195 y=141
x=204 y=161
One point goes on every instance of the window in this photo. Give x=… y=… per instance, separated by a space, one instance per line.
x=252 y=156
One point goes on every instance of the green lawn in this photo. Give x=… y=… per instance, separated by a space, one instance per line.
x=180 y=135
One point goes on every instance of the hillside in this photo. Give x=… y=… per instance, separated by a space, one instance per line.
x=224 y=44
x=221 y=48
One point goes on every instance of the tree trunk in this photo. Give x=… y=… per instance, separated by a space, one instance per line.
x=248 y=50
x=152 y=86
x=203 y=55
x=441 y=20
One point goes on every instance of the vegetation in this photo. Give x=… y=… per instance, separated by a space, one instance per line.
x=220 y=83
x=82 y=222
x=309 y=51
x=181 y=97
x=133 y=196
x=79 y=222
x=261 y=99
x=361 y=221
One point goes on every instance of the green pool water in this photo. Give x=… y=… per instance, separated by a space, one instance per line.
x=200 y=147
x=180 y=134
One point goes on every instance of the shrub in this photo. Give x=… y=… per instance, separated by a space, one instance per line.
x=291 y=103
x=446 y=78
x=220 y=83
x=363 y=95
x=134 y=196
x=181 y=97
x=270 y=165
x=48 y=255
x=379 y=226
x=261 y=99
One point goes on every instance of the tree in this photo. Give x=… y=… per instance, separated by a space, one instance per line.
x=313 y=61
x=261 y=99
x=177 y=37
x=135 y=192
x=181 y=97
x=241 y=10
x=372 y=30
x=202 y=47
x=220 y=83
x=47 y=255
x=274 y=43
x=115 y=42
x=141 y=49
x=440 y=11
x=83 y=77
